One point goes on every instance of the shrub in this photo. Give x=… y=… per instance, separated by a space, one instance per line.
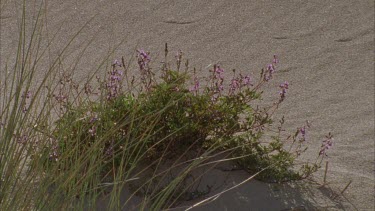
x=168 y=117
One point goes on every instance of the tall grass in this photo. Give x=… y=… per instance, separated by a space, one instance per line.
x=68 y=145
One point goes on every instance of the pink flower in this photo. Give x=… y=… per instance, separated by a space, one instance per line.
x=142 y=55
x=235 y=84
x=221 y=88
x=326 y=144
x=284 y=86
x=196 y=85
x=247 y=81
x=270 y=68
x=270 y=71
x=143 y=59
x=302 y=131
x=219 y=72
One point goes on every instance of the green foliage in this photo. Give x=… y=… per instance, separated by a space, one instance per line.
x=176 y=120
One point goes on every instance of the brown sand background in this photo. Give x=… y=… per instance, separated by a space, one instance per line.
x=326 y=51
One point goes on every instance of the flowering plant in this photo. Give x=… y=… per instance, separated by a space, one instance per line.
x=178 y=116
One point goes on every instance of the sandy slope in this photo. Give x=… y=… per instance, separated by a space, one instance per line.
x=326 y=49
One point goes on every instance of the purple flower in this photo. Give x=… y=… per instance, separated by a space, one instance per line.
x=270 y=71
x=221 y=88
x=116 y=75
x=146 y=74
x=271 y=68
x=143 y=55
x=218 y=72
x=284 y=86
x=143 y=59
x=302 y=131
x=326 y=144
x=246 y=81
x=196 y=85
x=235 y=84
x=113 y=84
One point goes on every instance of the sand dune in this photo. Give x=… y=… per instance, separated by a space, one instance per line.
x=326 y=51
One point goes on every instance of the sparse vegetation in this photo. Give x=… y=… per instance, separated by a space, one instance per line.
x=62 y=144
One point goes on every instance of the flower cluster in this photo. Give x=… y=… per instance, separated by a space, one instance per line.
x=143 y=61
x=239 y=82
x=246 y=81
x=271 y=68
x=235 y=84
x=218 y=73
x=218 y=79
x=186 y=118
x=326 y=144
x=301 y=133
x=114 y=81
x=284 y=86
x=195 y=88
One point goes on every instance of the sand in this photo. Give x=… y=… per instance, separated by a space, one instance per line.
x=326 y=52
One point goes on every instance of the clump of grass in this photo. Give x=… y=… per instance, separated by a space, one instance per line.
x=62 y=145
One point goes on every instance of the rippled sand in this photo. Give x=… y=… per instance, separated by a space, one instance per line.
x=326 y=51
